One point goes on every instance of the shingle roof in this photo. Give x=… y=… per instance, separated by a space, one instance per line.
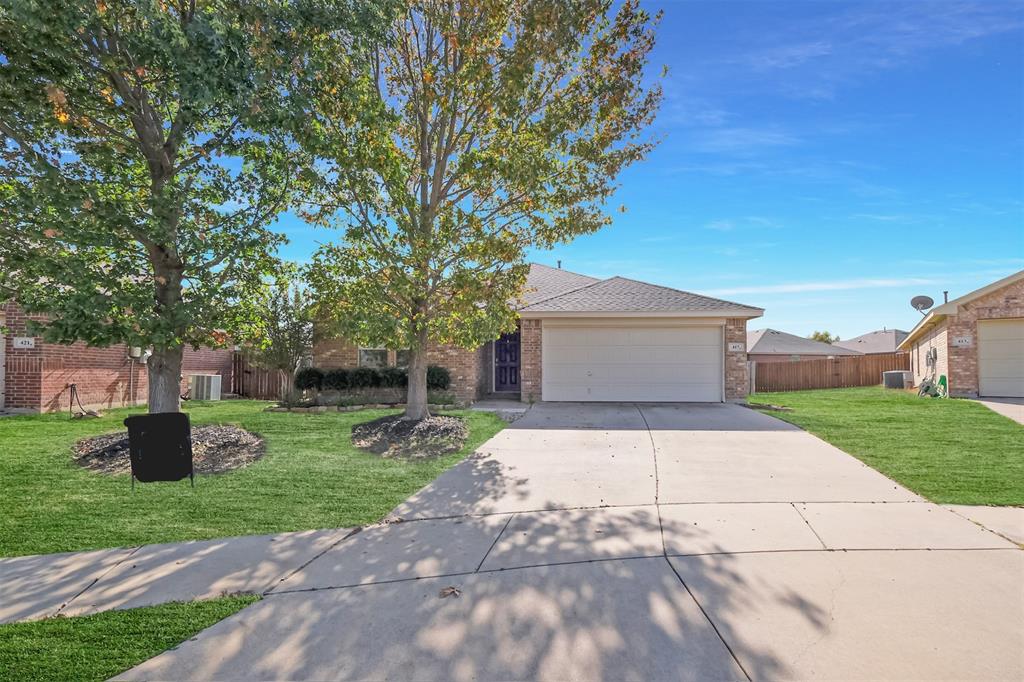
x=773 y=342
x=881 y=341
x=545 y=282
x=622 y=295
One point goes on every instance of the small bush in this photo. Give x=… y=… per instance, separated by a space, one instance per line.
x=336 y=380
x=438 y=378
x=309 y=378
x=393 y=377
x=363 y=377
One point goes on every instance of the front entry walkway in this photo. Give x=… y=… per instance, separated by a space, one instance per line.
x=645 y=542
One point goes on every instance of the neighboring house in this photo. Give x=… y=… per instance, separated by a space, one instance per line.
x=586 y=339
x=770 y=345
x=873 y=343
x=36 y=376
x=975 y=341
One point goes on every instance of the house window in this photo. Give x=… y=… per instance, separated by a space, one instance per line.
x=402 y=358
x=373 y=357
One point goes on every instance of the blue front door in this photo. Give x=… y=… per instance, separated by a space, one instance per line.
x=506 y=363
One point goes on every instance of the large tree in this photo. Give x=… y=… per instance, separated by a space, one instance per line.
x=509 y=122
x=146 y=148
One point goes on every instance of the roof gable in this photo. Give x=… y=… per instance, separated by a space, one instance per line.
x=774 y=342
x=623 y=295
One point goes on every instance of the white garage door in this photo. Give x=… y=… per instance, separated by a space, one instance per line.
x=1001 y=358
x=626 y=363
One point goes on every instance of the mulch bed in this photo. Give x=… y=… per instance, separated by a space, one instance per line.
x=215 y=450
x=395 y=437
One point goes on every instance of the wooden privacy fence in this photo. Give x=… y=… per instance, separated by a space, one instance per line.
x=250 y=381
x=843 y=371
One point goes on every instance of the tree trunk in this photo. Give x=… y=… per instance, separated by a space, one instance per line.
x=165 y=379
x=416 y=395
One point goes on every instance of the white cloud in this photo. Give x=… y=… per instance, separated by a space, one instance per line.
x=720 y=225
x=834 y=285
x=741 y=140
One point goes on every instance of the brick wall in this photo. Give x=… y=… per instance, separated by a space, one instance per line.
x=530 y=360
x=332 y=353
x=1004 y=303
x=936 y=339
x=464 y=365
x=38 y=379
x=736 y=380
x=23 y=365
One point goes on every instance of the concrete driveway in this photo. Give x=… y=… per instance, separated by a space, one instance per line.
x=648 y=542
x=1012 y=408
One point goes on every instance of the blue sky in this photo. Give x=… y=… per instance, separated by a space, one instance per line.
x=822 y=160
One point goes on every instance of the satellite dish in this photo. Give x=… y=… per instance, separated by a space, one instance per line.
x=921 y=303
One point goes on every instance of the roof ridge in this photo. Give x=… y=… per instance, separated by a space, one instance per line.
x=571 y=272
x=682 y=291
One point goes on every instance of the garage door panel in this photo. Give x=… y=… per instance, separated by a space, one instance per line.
x=1004 y=330
x=662 y=363
x=1001 y=358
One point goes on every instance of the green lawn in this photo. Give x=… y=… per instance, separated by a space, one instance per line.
x=311 y=477
x=99 y=646
x=950 y=451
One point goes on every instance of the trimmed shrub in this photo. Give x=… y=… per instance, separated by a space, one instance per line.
x=438 y=378
x=393 y=377
x=309 y=378
x=335 y=379
x=363 y=377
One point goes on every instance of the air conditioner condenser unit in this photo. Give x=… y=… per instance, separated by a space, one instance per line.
x=204 y=386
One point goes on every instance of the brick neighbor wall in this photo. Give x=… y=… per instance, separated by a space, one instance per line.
x=1005 y=303
x=530 y=336
x=735 y=364
x=38 y=379
x=937 y=338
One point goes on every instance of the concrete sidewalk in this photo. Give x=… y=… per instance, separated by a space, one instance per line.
x=33 y=587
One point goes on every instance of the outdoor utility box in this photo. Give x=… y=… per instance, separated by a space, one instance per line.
x=897 y=378
x=160 y=447
x=204 y=386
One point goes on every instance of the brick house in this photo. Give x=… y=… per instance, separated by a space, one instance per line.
x=975 y=341
x=36 y=376
x=586 y=339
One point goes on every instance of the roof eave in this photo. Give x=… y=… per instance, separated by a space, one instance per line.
x=744 y=313
x=927 y=322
